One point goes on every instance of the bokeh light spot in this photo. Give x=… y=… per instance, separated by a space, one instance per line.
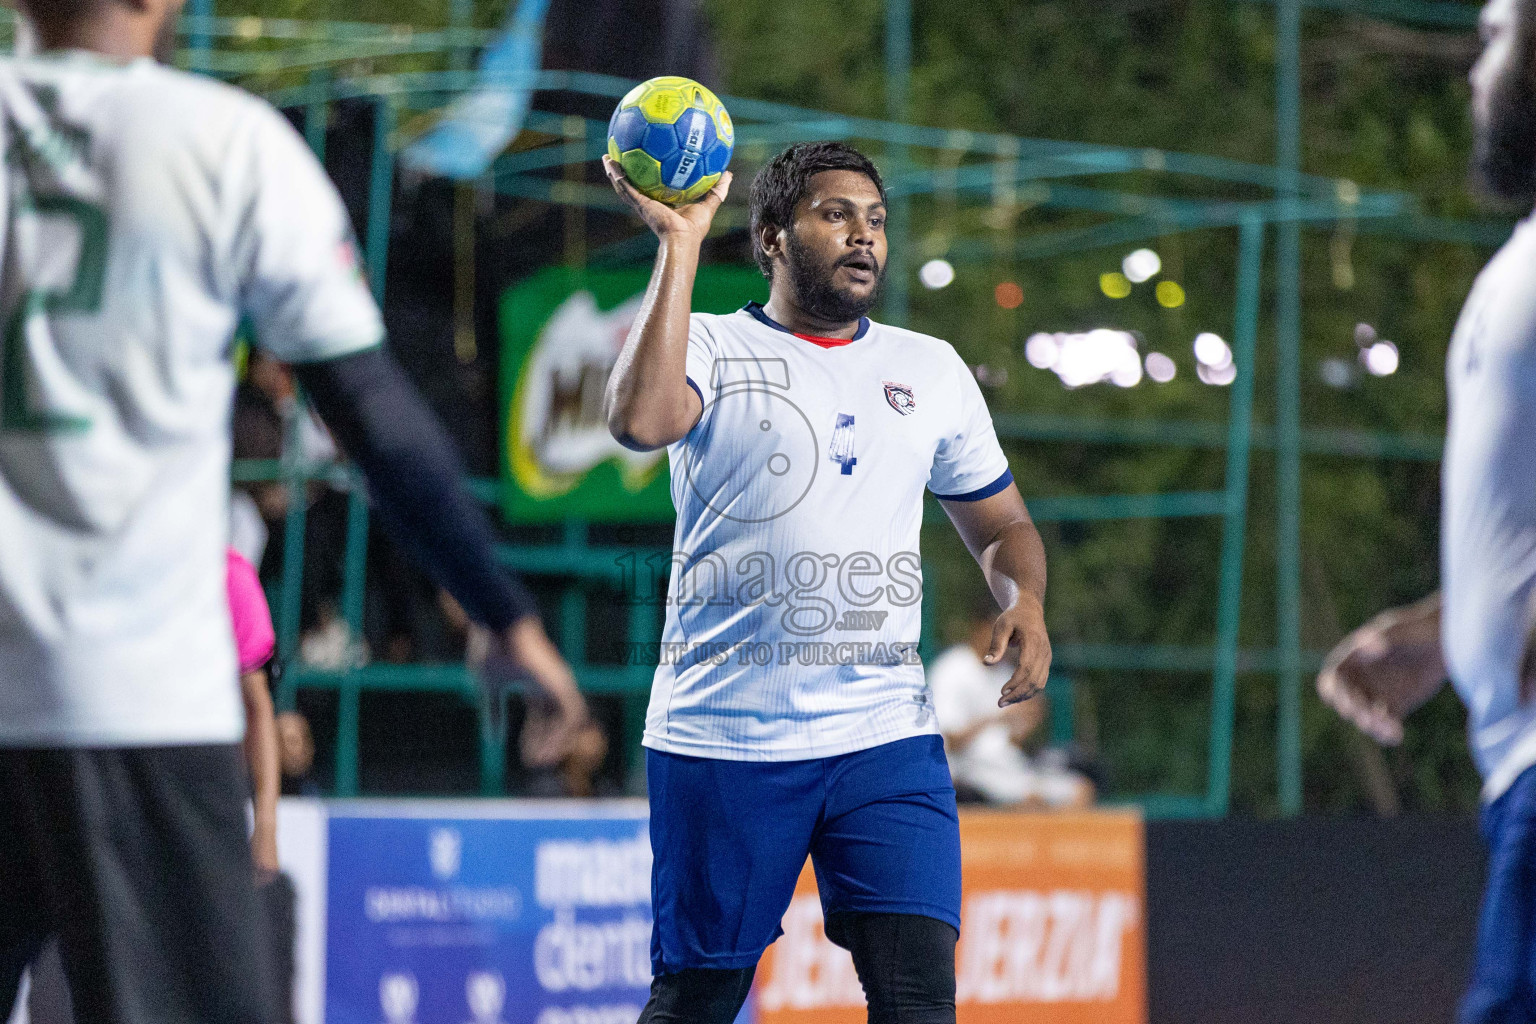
x=1220 y=376
x=1041 y=350
x=937 y=274
x=1114 y=284
x=1141 y=265
x=1381 y=359
x=1160 y=367
x=1212 y=351
x=1170 y=294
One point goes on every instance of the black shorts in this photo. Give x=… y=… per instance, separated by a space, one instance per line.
x=137 y=859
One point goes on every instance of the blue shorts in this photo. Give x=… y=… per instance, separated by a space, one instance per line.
x=1503 y=989
x=731 y=838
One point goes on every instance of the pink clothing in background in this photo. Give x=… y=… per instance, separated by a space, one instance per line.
x=255 y=639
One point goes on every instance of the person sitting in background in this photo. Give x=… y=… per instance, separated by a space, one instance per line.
x=313 y=444
x=330 y=644
x=984 y=742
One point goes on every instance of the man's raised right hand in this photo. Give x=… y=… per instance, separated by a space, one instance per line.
x=691 y=221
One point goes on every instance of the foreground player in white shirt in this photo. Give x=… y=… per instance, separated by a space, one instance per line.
x=1481 y=628
x=142 y=213
x=789 y=714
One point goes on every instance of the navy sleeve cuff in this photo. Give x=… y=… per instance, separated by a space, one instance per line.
x=981 y=492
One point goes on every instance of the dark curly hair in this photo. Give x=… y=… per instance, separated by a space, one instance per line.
x=61 y=10
x=785 y=180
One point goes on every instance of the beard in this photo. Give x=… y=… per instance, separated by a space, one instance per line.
x=165 y=41
x=1504 y=148
x=812 y=278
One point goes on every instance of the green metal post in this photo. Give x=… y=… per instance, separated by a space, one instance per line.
x=642 y=636
x=1234 y=526
x=380 y=207
x=1288 y=410
x=493 y=746
x=1060 y=690
x=462 y=16
x=573 y=602
x=349 y=711
x=291 y=597
x=493 y=763
x=380 y=197
x=354 y=571
x=201 y=40
x=317 y=114
x=898 y=81
x=381 y=192
x=350 y=695
x=349 y=715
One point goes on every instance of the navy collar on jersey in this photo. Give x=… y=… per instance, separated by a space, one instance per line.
x=761 y=315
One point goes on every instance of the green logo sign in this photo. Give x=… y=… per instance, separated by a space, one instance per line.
x=561 y=332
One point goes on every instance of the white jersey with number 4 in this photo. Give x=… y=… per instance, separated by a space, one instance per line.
x=794 y=605
x=144 y=211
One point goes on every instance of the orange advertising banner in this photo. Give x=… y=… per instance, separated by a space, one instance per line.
x=1053 y=929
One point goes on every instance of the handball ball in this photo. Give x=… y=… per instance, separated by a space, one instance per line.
x=673 y=138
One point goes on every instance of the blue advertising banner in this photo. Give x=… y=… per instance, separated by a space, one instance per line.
x=489 y=920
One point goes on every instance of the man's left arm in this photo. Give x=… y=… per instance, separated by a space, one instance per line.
x=1002 y=538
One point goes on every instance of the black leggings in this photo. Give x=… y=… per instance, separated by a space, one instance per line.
x=905 y=962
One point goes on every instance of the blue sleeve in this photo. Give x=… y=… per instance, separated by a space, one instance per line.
x=415 y=479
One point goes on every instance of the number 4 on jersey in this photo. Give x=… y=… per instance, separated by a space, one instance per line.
x=841 y=448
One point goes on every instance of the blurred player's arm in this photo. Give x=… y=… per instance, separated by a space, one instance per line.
x=266 y=773
x=1384 y=670
x=294 y=258
x=649 y=403
x=1002 y=538
x=416 y=480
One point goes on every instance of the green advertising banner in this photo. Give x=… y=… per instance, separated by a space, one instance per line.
x=561 y=331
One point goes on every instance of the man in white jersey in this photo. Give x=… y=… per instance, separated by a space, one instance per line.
x=789 y=714
x=144 y=212
x=1479 y=628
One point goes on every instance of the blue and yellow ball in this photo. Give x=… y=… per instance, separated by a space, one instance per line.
x=673 y=138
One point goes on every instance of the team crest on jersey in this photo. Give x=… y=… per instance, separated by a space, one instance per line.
x=900 y=397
